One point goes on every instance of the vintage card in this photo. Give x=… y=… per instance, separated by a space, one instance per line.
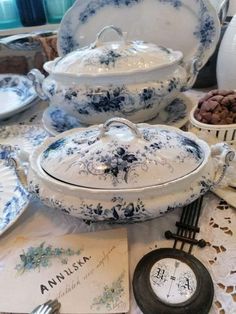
x=87 y=273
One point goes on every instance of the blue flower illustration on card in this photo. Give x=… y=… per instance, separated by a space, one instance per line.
x=111 y=295
x=41 y=256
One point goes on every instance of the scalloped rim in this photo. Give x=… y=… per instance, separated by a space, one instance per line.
x=23 y=208
x=38 y=171
x=187 y=60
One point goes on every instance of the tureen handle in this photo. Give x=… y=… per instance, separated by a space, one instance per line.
x=37 y=78
x=225 y=155
x=106 y=126
x=117 y=30
x=222 y=14
x=193 y=69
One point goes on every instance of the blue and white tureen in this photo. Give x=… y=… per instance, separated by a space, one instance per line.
x=123 y=172
x=133 y=80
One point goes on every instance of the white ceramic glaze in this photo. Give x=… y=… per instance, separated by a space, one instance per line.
x=129 y=197
x=16 y=94
x=228 y=194
x=189 y=26
x=221 y=7
x=23 y=137
x=13 y=197
x=224 y=132
x=133 y=80
x=119 y=56
x=56 y=120
x=232 y=8
x=226 y=60
x=121 y=158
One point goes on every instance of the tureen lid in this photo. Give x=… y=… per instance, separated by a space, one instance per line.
x=123 y=156
x=103 y=58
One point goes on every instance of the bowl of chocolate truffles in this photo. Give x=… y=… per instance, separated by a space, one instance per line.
x=215 y=116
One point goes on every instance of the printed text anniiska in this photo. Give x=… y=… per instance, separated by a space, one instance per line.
x=64 y=274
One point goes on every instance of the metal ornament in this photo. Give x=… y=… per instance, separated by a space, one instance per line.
x=171 y=281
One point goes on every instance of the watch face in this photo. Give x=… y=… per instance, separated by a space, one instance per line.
x=173 y=281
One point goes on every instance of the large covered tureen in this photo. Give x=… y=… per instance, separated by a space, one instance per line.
x=133 y=80
x=124 y=172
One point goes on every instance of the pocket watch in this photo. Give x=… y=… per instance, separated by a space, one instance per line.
x=172 y=281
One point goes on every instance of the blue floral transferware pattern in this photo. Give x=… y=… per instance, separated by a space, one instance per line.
x=95 y=105
x=103 y=174
x=13 y=197
x=41 y=257
x=118 y=99
x=133 y=80
x=16 y=94
x=109 y=58
x=205 y=26
x=119 y=210
x=56 y=120
x=23 y=137
x=108 y=162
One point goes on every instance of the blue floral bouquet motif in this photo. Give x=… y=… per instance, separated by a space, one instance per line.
x=120 y=162
x=111 y=295
x=41 y=256
x=109 y=59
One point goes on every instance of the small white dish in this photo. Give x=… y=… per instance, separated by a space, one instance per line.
x=56 y=120
x=13 y=197
x=221 y=132
x=16 y=94
x=23 y=137
x=196 y=36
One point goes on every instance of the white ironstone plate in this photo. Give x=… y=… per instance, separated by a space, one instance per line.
x=191 y=26
x=16 y=94
x=13 y=197
x=23 y=137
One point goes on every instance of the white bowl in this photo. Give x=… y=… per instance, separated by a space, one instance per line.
x=219 y=132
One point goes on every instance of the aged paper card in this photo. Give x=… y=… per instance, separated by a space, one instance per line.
x=87 y=273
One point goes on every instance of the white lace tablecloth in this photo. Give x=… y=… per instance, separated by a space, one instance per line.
x=217 y=227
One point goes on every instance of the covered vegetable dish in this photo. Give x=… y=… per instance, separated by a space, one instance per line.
x=124 y=172
x=133 y=80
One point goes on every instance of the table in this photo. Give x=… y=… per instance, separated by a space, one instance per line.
x=217 y=224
